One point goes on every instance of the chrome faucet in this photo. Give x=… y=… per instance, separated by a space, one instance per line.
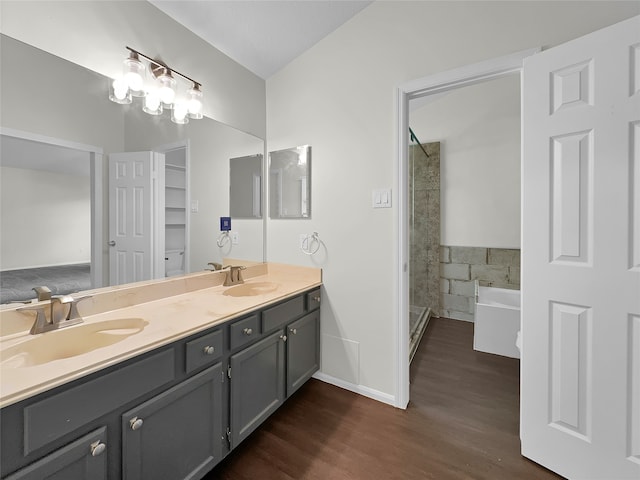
x=63 y=312
x=234 y=275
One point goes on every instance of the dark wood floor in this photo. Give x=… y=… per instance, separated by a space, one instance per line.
x=462 y=423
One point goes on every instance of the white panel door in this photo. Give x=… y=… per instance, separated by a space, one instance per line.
x=580 y=390
x=132 y=194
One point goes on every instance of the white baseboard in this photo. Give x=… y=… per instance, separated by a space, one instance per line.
x=359 y=389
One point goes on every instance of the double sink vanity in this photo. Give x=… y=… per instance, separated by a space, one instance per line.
x=162 y=379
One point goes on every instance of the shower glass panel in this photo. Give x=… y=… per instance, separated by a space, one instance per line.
x=424 y=236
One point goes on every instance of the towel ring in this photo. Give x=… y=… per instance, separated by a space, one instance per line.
x=223 y=239
x=306 y=245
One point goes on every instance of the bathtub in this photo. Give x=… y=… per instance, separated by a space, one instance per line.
x=497 y=321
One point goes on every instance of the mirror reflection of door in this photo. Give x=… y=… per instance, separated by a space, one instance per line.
x=136 y=198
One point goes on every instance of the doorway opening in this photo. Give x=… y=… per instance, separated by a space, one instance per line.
x=61 y=180
x=428 y=89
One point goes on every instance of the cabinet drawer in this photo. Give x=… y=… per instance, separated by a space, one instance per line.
x=279 y=315
x=84 y=458
x=244 y=331
x=60 y=414
x=313 y=300
x=203 y=350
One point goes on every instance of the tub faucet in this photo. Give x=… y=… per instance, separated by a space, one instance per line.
x=63 y=312
x=234 y=275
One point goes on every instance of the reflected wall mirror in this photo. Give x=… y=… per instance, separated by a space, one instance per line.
x=290 y=183
x=75 y=110
x=245 y=186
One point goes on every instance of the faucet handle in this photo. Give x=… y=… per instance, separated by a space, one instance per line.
x=73 y=311
x=41 y=318
x=61 y=299
x=43 y=292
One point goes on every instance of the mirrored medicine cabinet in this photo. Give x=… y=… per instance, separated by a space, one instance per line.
x=245 y=186
x=290 y=183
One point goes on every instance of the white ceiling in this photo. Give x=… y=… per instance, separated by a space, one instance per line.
x=261 y=35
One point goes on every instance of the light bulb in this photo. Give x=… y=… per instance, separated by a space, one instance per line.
x=194 y=103
x=179 y=113
x=133 y=72
x=152 y=104
x=119 y=92
x=120 y=89
x=166 y=90
x=134 y=80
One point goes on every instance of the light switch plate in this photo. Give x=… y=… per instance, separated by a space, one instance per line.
x=235 y=238
x=381 y=198
x=195 y=206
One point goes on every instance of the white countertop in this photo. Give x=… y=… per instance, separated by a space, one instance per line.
x=174 y=309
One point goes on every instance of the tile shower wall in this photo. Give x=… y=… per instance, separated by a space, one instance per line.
x=424 y=219
x=461 y=266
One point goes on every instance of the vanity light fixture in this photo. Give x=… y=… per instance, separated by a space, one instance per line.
x=156 y=83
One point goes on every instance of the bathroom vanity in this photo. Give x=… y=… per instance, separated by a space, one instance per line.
x=172 y=408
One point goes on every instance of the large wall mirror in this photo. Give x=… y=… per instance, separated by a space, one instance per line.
x=290 y=183
x=47 y=216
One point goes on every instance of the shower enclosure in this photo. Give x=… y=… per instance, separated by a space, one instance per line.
x=424 y=237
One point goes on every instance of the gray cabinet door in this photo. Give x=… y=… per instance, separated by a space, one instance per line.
x=85 y=458
x=257 y=385
x=303 y=350
x=177 y=434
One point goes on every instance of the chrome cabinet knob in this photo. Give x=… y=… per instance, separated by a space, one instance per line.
x=283 y=338
x=135 y=423
x=293 y=330
x=97 y=448
x=208 y=350
x=317 y=299
x=248 y=331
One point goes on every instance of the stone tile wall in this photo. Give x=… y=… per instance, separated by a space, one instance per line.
x=461 y=266
x=424 y=219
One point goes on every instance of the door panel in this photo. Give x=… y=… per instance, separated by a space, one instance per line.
x=580 y=400
x=175 y=435
x=303 y=350
x=133 y=218
x=257 y=385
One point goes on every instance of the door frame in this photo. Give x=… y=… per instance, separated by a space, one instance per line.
x=164 y=148
x=95 y=179
x=433 y=84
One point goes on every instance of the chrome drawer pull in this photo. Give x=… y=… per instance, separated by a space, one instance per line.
x=208 y=350
x=135 y=423
x=247 y=331
x=97 y=448
x=317 y=299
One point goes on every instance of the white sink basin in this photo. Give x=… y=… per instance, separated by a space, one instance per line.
x=70 y=342
x=251 y=289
